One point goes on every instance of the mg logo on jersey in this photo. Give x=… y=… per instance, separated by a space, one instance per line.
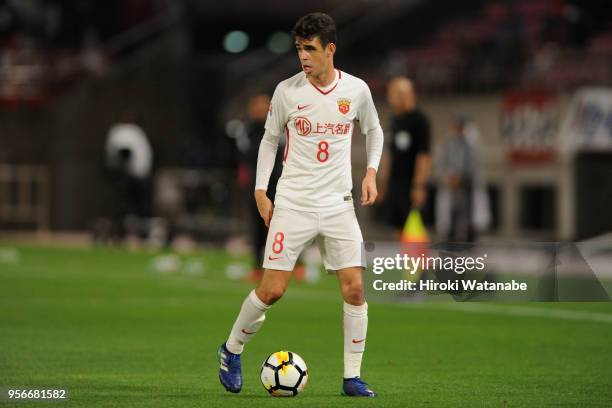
x=303 y=126
x=344 y=105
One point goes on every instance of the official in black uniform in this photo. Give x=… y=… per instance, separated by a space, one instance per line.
x=407 y=161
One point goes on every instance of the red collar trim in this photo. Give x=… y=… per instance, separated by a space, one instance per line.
x=332 y=88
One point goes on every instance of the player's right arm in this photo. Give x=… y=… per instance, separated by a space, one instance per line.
x=275 y=124
x=370 y=126
x=265 y=165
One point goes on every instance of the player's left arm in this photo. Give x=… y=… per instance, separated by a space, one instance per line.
x=370 y=126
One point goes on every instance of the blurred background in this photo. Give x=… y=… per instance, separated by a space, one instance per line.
x=129 y=120
x=135 y=124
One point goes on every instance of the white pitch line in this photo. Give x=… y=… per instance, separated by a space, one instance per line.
x=564 y=314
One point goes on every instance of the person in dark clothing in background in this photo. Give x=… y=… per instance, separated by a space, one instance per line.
x=128 y=170
x=407 y=161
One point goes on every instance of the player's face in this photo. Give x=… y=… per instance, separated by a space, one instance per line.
x=314 y=58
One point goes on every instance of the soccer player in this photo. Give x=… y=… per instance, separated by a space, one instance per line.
x=316 y=109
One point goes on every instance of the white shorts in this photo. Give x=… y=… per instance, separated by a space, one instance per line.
x=337 y=233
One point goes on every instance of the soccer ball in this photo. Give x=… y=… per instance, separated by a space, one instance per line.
x=284 y=374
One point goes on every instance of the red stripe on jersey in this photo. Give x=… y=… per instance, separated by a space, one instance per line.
x=334 y=87
x=286 y=144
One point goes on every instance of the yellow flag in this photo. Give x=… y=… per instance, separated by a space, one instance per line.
x=414 y=241
x=414 y=229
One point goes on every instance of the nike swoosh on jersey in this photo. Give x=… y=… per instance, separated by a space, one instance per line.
x=358 y=341
x=300 y=107
x=273 y=259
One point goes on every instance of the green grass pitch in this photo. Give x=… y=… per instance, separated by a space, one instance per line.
x=113 y=332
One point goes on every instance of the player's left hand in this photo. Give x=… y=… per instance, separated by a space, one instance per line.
x=368 y=188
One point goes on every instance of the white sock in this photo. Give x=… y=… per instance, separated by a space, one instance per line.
x=251 y=317
x=355 y=330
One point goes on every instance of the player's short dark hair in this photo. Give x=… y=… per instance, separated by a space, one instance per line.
x=316 y=25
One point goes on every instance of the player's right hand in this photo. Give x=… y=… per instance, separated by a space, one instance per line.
x=264 y=205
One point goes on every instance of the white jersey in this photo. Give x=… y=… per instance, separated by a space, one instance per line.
x=318 y=125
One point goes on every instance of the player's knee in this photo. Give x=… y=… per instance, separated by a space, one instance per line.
x=271 y=294
x=353 y=293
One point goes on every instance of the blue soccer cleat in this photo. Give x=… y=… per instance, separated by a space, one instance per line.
x=355 y=387
x=230 y=372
